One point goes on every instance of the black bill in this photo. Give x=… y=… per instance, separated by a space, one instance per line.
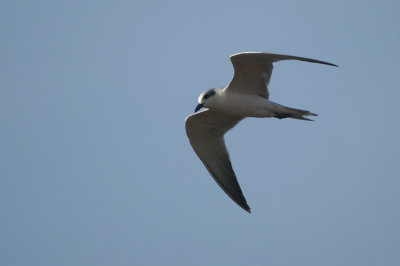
x=198 y=107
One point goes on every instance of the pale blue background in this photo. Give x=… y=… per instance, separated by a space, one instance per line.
x=96 y=168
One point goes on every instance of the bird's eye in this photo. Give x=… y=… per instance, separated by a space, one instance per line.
x=205 y=97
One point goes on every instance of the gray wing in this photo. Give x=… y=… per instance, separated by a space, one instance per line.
x=206 y=131
x=253 y=71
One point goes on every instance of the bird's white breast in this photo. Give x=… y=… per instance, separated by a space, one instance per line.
x=246 y=105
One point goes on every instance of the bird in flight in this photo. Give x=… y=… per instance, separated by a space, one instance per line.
x=246 y=95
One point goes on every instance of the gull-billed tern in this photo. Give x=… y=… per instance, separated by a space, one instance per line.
x=246 y=96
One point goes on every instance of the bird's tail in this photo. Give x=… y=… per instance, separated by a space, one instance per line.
x=287 y=112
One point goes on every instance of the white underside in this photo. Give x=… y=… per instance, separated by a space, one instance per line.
x=246 y=105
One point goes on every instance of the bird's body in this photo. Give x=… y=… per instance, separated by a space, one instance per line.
x=247 y=95
x=244 y=105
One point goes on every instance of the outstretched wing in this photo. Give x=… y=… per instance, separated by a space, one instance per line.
x=206 y=131
x=253 y=71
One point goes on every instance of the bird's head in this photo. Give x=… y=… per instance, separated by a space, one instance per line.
x=205 y=99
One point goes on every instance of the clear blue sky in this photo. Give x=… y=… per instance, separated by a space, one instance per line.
x=96 y=169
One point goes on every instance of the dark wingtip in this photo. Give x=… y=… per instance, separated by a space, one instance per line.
x=318 y=61
x=245 y=207
x=326 y=63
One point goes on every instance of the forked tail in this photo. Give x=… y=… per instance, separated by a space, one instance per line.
x=287 y=112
